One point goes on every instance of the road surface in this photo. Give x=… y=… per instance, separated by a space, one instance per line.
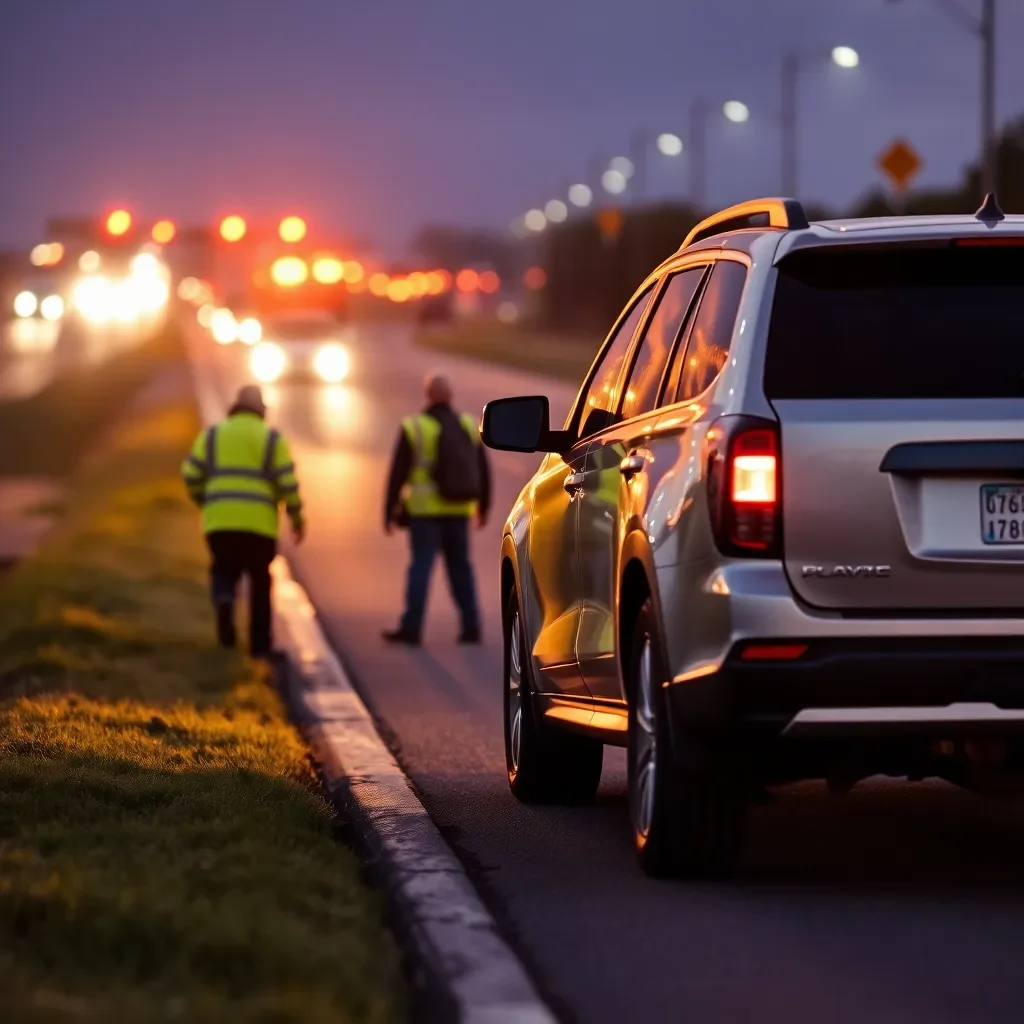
x=900 y=903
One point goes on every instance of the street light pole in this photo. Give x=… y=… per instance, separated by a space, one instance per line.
x=698 y=152
x=985 y=29
x=790 y=73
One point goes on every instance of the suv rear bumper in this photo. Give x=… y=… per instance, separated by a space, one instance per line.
x=880 y=673
x=849 y=663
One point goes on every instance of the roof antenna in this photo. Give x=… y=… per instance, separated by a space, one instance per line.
x=989 y=209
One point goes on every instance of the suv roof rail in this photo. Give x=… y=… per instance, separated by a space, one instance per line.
x=781 y=214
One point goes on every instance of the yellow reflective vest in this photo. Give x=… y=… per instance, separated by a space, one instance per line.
x=421 y=497
x=239 y=472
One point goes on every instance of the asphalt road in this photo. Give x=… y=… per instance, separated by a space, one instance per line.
x=900 y=903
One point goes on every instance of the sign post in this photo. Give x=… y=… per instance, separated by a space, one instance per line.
x=900 y=163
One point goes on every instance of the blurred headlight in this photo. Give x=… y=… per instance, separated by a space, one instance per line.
x=331 y=364
x=267 y=362
x=25 y=304
x=223 y=326
x=250 y=331
x=93 y=297
x=52 y=307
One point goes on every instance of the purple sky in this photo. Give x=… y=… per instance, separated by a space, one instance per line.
x=373 y=116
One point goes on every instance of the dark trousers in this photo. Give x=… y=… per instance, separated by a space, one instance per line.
x=235 y=554
x=448 y=535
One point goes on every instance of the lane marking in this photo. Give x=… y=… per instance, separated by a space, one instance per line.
x=439 y=910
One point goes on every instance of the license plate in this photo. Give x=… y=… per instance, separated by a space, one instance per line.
x=1002 y=514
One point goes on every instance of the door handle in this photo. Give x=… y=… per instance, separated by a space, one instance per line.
x=573 y=482
x=631 y=465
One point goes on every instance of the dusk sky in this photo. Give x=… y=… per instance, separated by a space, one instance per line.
x=375 y=116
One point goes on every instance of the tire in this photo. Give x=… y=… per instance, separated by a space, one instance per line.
x=686 y=801
x=544 y=764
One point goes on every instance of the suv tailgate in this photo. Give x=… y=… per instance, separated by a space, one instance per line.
x=898 y=379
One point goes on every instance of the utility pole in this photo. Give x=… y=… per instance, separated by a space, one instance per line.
x=698 y=153
x=985 y=29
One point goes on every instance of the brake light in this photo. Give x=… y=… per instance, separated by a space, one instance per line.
x=997 y=241
x=754 y=463
x=743 y=481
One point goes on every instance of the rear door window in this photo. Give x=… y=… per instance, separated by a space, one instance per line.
x=711 y=335
x=904 y=323
x=663 y=328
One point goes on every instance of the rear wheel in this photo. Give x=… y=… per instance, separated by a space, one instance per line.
x=686 y=801
x=544 y=764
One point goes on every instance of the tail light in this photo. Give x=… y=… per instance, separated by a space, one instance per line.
x=744 y=476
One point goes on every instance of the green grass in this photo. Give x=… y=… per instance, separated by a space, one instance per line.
x=165 y=852
x=565 y=356
x=48 y=433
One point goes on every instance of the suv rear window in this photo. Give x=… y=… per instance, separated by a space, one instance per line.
x=898 y=323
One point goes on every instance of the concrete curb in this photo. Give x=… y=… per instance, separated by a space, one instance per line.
x=468 y=970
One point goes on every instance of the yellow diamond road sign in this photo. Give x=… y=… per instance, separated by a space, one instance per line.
x=899 y=163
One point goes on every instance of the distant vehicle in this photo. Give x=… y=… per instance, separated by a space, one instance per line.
x=38 y=294
x=781 y=534
x=308 y=345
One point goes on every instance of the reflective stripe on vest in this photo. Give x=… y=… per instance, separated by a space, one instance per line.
x=421 y=496
x=265 y=474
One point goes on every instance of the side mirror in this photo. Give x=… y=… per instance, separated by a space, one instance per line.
x=520 y=425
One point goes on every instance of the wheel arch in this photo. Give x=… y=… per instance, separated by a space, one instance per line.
x=637 y=584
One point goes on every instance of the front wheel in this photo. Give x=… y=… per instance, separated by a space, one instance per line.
x=687 y=812
x=544 y=764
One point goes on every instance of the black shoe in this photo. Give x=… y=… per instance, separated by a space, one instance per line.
x=226 y=624
x=401 y=637
x=470 y=636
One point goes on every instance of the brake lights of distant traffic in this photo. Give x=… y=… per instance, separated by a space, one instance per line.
x=328 y=270
x=292 y=229
x=164 y=232
x=233 y=228
x=467 y=280
x=489 y=282
x=119 y=222
x=289 y=271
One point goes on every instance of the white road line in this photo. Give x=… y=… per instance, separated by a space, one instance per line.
x=454 y=936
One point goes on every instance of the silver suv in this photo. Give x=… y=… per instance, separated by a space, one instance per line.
x=781 y=533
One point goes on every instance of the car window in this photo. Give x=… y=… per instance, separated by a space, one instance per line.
x=659 y=337
x=907 y=323
x=601 y=395
x=711 y=334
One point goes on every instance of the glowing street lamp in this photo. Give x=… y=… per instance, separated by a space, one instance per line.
x=669 y=144
x=556 y=211
x=535 y=220
x=793 y=62
x=581 y=195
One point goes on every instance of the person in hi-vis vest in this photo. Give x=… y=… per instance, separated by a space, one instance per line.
x=239 y=472
x=415 y=499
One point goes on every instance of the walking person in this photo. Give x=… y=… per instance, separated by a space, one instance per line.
x=239 y=473
x=439 y=481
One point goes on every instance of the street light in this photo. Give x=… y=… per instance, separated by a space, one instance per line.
x=669 y=144
x=793 y=63
x=700 y=111
x=535 y=220
x=556 y=211
x=581 y=195
x=984 y=27
x=613 y=181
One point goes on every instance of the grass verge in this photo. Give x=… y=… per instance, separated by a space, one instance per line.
x=165 y=853
x=48 y=433
x=565 y=356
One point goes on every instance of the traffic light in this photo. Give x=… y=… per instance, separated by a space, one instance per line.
x=233 y=228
